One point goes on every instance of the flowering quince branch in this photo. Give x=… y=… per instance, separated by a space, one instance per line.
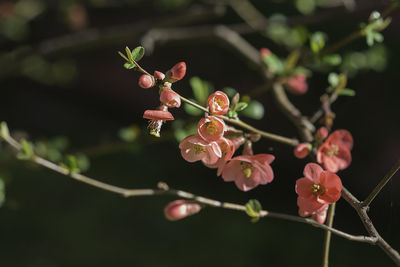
x=164 y=189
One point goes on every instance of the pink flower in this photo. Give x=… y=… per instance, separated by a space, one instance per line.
x=317 y=188
x=146 y=81
x=180 y=209
x=170 y=98
x=218 y=103
x=302 y=150
x=319 y=214
x=159 y=75
x=227 y=150
x=211 y=128
x=334 y=153
x=322 y=133
x=194 y=148
x=297 y=84
x=248 y=171
x=157 y=118
x=177 y=72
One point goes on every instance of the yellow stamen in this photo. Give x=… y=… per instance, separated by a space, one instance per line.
x=198 y=149
x=332 y=151
x=247 y=168
x=317 y=189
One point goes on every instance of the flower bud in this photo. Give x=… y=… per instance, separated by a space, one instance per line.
x=302 y=150
x=297 y=84
x=264 y=52
x=322 y=133
x=218 y=103
x=180 y=209
x=146 y=81
x=159 y=75
x=177 y=72
x=170 y=98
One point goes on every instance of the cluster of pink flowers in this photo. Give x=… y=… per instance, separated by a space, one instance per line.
x=319 y=188
x=211 y=147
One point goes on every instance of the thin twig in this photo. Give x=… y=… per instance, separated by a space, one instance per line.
x=164 y=189
x=381 y=184
x=327 y=241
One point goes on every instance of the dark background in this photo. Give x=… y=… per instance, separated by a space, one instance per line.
x=50 y=220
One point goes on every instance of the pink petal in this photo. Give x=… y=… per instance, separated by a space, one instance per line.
x=341 y=138
x=231 y=171
x=158 y=115
x=308 y=206
x=313 y=171
x=264 y=158
x=303 y=187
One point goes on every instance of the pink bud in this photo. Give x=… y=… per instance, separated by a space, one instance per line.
x=297 y=84
x=158 y=115
x=170 y=98
x=180 y=209
x=146 y=81
x=302 y=150
x=218 y=103
x=322 y=133
x=264 y=52
x=159 y=75
x=177 y=72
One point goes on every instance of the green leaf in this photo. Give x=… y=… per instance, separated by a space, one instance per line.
x=200 y=89
x=333 y=79
x=241 y=106
x=26 y=150
x=232 y=114
x=332 y=60
x=229 y=91
x=378 y=37
x=192 y=110
x=273 y=63
x=129 y=66
x=254 y=110
x=82 y=162
x=253 y=209
x=72 y=164
x=305 y=7
x=137 y=53
x=5 y=133
x=347 y=92
x=317 y=41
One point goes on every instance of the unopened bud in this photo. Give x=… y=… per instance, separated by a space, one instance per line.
x=180 y=209
x=297 y=84
x=177 y=72
x=264 y=52
x=322 y=133
x=302 y=150
x=170 y=98
x=159 y=75
x=146 y=81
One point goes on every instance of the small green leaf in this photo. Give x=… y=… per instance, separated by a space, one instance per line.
x=306 y=7
x=317 y=41
x=200 y=89
x=378 y=37
x=123 y=56
x=241 y=106
x=192 y=110
x=333 y=79
x=229 y=91
x=128 y=53
x=5 y=133
x=254 y=110
x=253 y=209
x=129 y=66
x=72 y=164
x=26 y=150
x=347 y=92
x=82 y=162
x=332 y=60
x=232 y=114
x=273 y=63
x=137 y=53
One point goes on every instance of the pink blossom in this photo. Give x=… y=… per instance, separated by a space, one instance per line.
x=322 y=133
x=194 y=148
x=249 y=171
x=170 y=98
x=317 y=188
x=211 y=128
x=334 y=153
x=146 y=81
x=227 y=150
x=159 y=75
x=177 y=72
x=318 y=214
x=180 y=209
x=297 y=84
x=218 y=103
x=302 y=150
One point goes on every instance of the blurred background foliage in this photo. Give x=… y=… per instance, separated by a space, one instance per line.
x=64 y=88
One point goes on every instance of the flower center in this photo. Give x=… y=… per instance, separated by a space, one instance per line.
x=247 y=168
x=211 y=127
x=317 y=189
x=155 y=127
x=198 y=149
x=218 y=103
x=332 y=151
